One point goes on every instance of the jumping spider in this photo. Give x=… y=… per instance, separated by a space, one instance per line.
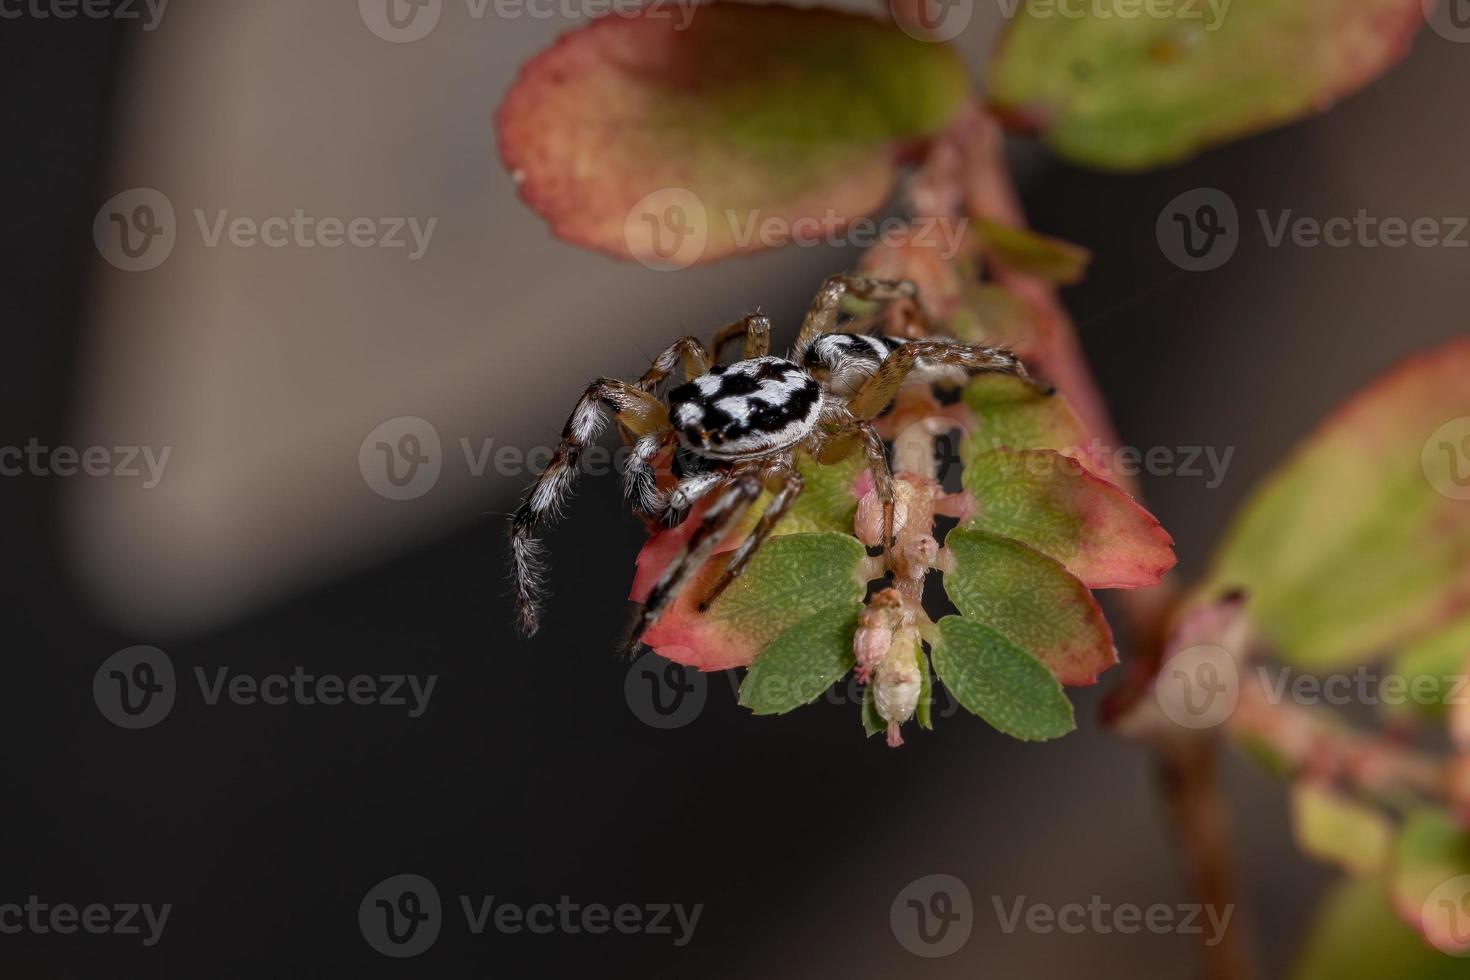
x=735 y=429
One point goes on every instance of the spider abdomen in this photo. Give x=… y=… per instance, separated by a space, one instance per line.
x=748 y=408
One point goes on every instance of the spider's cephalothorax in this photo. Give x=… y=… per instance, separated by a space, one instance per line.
x=742 y=423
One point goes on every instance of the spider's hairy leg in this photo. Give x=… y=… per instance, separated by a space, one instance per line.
x=754 y=328
x=640 y=479
x=822 y=317
x=638 y=412
x=879 y=390
x=686 y=350
x=689 y=492
x=791 y=486
x=714 y=524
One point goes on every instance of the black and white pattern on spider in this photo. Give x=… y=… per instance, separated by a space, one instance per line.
x=844 y=361
x=747 y=409
x=743 y=425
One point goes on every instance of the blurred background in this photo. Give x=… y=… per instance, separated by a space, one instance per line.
x=266 y=544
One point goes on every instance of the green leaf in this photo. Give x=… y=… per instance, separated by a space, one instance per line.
x=1431 y=879
x=826 y=502
x=801 y=663
x=1125 y=93
x=1010 y=414
x=1032 y=600
x=1361 y=541
x=1336 y=828
x=1433 y=670
x=1034 y=254
x=1003 y=684
x=873 y=723
x=924 y=712
x=790 y=579
x=745 y=112
x=1052 y=503
x=1356 y=934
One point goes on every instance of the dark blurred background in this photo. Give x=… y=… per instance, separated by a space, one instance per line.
x=531 y=775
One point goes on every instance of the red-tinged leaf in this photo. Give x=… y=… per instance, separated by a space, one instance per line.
x=1037 y=255
x=791 y=579
x=1361 y=541
x=1050 y=502
x=675 y=143
x=1126 y=93
x=1031 y=599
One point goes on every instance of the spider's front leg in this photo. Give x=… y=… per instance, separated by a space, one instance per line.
x=687 y=350
x=791 y=486
x=635 y=410
x=822 y=317
x=714 y=524
x=879 y=390
x=753 y=328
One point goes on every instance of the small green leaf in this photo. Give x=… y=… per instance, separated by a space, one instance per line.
x=1010 y=414
x=1003 y=684
x=1124 y=93
x=826 y=502
x=790 y=579
x=675 y=142
x=923 y=714
x=1434 y=670
x=1339 y=829
x=1355 y=933
x=1034 y=254
x=1031 y=599
x=801 y=663
x=873 y=723
x=1431 y=878
x=1052 y=503
x=1361 y=541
